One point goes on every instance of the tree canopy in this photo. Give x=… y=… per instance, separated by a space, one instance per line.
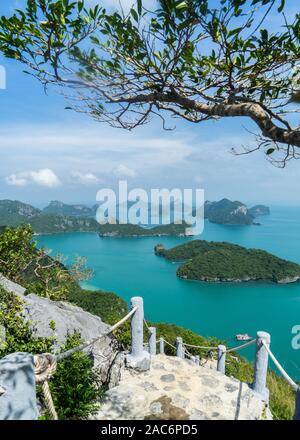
x=194 y=59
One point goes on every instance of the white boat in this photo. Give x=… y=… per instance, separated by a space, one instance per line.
x=243 y=337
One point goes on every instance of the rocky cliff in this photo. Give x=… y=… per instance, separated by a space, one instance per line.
x=67 y=317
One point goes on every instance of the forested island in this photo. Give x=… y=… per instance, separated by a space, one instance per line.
x=228 y=212
x=14 y=213
x=129 y=230
x=226 y=262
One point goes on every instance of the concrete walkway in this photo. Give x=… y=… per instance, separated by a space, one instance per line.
x=175 y=389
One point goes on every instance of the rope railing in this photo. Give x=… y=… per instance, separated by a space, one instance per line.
x=201 y=347
x=280 y=368
x=45 y=364
x=81 y=347
x=239 y=347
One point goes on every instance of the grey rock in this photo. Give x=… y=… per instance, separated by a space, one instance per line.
x=230 y=388
x=17 y=378
x=167 y=378
x=68 y=318
x=209 y=381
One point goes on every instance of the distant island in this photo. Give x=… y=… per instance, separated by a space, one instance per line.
x=139 y=231
x=60 y=217
x=225 y=262
x=224 y=211
x=59 y=208
x=227 y=212
x=15 y=213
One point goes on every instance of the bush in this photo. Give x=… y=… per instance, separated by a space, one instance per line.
x=74 y=388
x=18 y=332
x=107 y=305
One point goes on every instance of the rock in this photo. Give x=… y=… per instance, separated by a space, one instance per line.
x=68 y=317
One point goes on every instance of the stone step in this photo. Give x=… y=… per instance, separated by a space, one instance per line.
x=174 y=389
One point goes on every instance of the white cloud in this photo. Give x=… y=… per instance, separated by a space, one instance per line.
x=15 y=180
x=44 y=177
x=123 y=171
x=85 y=178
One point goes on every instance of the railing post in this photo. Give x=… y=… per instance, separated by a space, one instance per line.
x=17 y=374
x=179 y=348
x=152 y=341
x=161 y=346
x=297 y=406
x=197 y=360
x=221 y=358
x=193 y=359
x=138 y=358
x=261 y=365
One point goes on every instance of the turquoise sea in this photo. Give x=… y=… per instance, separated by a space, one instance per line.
x=129 y=267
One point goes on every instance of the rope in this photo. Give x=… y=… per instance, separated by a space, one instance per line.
x=241 y=346
x=45 y=367
x=168 y=343
x=147 y=326
x=97 y=338
x=199 y=346
x=280 y=368
x=45 y=364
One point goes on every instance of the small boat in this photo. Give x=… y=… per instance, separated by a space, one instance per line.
x=242 y=337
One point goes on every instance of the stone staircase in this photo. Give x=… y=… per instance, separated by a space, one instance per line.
x=177 y=389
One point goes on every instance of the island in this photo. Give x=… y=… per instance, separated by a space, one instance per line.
x=225 y=262
x=130 y=230
x=14 y=213
x=229 y=212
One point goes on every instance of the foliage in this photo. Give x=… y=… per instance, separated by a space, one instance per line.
x=19 y=335
x=282 y=397
x=16 y=251
x=214 y=261
x=74 y=387
x=191 y=59
x=107 y=305
x=23 y=262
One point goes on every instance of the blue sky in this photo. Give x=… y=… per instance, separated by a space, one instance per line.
x=47 y=152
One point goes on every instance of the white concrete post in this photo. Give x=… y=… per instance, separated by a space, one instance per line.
x=152 y=341
x=221 y=358
x=297 y=406
x=161 y=346
x=179 y=348
x=261 y=365
x=193 y=359
x=138 y=358
x=197 y=360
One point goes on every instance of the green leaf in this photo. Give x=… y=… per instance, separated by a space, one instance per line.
x=181 y=5
x=282 y=5
x=270 y=151
x=139 y=6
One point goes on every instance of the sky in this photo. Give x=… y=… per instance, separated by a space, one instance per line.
x=49 y=153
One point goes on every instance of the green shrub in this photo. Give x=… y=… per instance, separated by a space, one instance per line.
x=107 y=305
x=74 y=388
x=18 y=332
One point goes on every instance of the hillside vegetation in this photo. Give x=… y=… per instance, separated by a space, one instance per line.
x=214 y=261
